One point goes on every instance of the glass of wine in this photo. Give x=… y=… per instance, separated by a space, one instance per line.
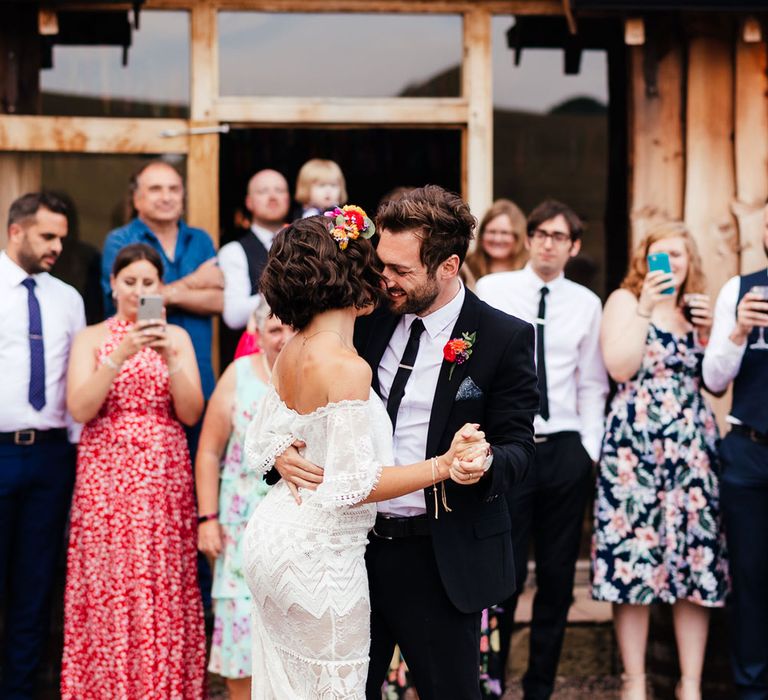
x=760 y=343
x=689 y=304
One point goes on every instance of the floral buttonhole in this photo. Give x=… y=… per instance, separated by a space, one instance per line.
x=458 y=350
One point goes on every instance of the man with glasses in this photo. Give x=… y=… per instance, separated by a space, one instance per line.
x=548 y=506
x=737 y=353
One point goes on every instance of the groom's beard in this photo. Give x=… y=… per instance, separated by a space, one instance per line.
x=416 y=301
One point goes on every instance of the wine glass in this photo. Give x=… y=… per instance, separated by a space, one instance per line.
x=689 y=304
x=760 y=343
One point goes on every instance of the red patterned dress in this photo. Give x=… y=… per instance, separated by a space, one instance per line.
x=133 y=627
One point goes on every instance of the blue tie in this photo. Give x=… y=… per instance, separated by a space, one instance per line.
x=36 y=349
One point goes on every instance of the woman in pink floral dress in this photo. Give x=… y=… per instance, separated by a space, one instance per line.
x=657 y=532
x=133 y=619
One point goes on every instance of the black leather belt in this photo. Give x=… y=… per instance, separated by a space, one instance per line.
x=33 y=437
x=552 y=437
x=395 y=528
x=751 y=433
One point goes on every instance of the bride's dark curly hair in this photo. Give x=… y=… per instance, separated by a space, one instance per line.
x=307 y=273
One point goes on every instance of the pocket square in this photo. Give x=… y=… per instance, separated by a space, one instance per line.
x=468 y=390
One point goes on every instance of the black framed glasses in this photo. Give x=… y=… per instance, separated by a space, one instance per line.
x=559 y=237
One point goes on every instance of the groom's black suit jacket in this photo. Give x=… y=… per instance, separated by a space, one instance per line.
x=472 y=542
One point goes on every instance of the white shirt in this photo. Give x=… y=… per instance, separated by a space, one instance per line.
x=410 y=439
x=63 y=316
x=239 y=303
x=577 y=383
x=722 y=358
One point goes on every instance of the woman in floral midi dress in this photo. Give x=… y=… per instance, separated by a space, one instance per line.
x=657 y=535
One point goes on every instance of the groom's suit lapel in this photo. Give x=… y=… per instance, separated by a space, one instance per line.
x=445 y=393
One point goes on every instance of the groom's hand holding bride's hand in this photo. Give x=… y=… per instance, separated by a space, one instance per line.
x=468 y=453
x=298 y=472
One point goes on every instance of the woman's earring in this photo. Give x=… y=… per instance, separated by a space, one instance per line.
x=114 y=295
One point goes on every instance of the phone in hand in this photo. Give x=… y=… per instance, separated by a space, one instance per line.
x=150 y=308
x=660 y=262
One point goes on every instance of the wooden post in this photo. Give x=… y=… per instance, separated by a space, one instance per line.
x=19 y=173
x=710 y=172
x=203 y=155
x=656 y=135
x=751 y=149
x=477 y=88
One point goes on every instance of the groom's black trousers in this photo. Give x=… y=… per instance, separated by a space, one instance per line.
x=409 y=607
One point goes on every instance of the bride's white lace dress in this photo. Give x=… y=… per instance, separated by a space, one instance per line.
x=305 y=564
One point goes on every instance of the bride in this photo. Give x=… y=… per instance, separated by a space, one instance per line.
x=305 y=561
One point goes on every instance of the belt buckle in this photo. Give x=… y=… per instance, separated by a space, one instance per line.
x=24 y=437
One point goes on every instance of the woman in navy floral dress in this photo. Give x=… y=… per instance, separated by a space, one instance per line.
x=657 y=532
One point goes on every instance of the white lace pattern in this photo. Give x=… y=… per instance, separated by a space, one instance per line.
x=305 y=564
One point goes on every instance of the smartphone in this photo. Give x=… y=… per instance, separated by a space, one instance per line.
x=660 y=261
x=150 y=308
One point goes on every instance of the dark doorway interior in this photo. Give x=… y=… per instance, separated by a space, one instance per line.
x=374 y=162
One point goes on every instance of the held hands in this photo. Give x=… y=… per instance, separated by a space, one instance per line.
x=700 y=310
x=652 y=291
x=209 y=540
x=466 y=456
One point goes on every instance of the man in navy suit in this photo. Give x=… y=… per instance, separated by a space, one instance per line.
x=441 y=358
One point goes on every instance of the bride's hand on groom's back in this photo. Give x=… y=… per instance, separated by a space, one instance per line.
x=298 y=472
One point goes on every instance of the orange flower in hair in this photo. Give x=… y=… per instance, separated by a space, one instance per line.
x=350 y=222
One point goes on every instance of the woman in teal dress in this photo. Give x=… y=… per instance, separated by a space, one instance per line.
x=227 y=493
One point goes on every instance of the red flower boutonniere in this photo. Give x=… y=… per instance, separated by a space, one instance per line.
x=458 y=350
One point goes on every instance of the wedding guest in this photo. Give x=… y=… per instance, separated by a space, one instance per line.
x=547 y=508
x=225 y=509
x=193 y=284
x=657 y=535
x=242 y=260
x=500 y=240
x=133 y=622
x=737 y=353
x=320 y=186
x=40 y=317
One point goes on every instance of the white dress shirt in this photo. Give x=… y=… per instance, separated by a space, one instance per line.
x=410 y=439
x=577 y=383
x=63 y=316
x=239 y=303
x=722 y=358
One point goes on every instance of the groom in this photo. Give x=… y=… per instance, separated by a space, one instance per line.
x=441 y=358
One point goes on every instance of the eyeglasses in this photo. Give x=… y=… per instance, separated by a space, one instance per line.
x=540 y=235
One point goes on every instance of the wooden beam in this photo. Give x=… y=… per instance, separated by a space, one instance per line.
x=204 y=61
x=477 y=89
x=342 y=110
x=90 y=135
x=656 y=138
x=751 y=149
x=516 y=7
x=710 y=172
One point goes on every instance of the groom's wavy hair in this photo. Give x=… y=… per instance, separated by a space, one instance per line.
x=307 y=273
x=441 y=219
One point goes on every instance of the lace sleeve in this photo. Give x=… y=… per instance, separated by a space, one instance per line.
x=352 y=467
x=265 y=439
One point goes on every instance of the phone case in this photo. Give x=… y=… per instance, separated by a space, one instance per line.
x=150 y=308
x=660 y=261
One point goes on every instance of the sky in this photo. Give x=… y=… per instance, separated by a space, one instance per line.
x=361 y=55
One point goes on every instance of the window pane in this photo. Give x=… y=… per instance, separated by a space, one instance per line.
x=339 y=55
x=551 y=139
x=92 y=81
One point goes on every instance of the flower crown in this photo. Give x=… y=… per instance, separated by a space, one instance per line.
x=350 y=222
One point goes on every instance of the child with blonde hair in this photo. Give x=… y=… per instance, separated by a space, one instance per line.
x=320 y=186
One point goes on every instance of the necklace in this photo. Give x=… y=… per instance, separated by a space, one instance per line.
x=307 y=337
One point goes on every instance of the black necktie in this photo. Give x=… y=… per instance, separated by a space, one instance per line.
x=36 y=348
x=397 y=391
x=541 y=367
